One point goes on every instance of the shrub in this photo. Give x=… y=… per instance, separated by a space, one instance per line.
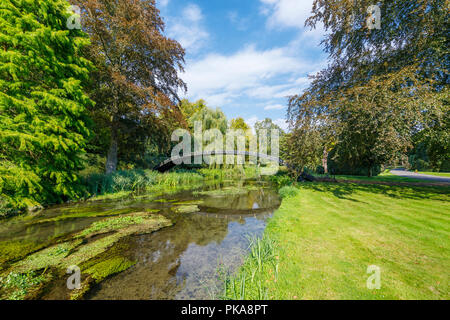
x=288 y=192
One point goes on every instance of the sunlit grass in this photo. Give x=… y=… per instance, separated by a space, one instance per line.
x=329 y=234
x=438 y=174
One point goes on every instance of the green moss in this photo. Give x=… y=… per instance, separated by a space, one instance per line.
x=49 y=257
x=187 y=209
x=190 y=202
x=108 y=225
x=126 y=225
x=149 y=224
x=76 y=252
x=12 y=250
x=87 y=214
x=96 y=256
x=107 y=268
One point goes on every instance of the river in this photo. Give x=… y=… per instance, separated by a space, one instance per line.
x=177 y=262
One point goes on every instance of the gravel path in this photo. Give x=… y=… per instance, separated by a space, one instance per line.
x=409 y=174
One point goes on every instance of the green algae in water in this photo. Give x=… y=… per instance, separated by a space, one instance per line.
x=17 y=286
x=92 y=249
x=187 y=209
x=189 y=202
x=46 y=258
x=135 y=223
x=108 y=225
x=87 y=213
x=79 y=252
x=107 y=268
x=99 y=272
x=225 y=192
x=111 y=196
x=13 y=250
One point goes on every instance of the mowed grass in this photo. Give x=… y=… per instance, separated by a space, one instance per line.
x=328 y=234
x=383 y=177
x=437 y=174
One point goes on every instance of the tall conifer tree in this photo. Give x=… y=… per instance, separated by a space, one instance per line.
x=42 y=104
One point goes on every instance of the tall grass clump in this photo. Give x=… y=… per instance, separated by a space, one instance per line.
x=281 y=180
x=250 y=282
x=288 y=192
x=231 y=172
x=137 y=181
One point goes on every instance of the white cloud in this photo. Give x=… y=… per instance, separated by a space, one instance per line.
x=279 y=122
x=287 y=13
x=274 y=107
x=188 y=29
x=193 y=13
x=293 y=14
x=163 y=3
x=249 y=71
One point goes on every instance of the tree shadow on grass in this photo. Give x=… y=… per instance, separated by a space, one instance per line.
x=348 y=190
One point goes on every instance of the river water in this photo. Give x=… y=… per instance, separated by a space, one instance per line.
x=177 y=262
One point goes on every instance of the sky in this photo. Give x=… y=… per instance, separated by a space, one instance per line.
x=245 y=56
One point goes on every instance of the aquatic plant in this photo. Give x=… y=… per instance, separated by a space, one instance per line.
x=250 y=280
x=107 y=268
x=16 y=286
x=12 y=250
x=187 y=209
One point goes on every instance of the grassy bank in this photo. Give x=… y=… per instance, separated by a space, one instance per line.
x=326 y=236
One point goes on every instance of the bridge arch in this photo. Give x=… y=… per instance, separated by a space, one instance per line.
x=175 y=161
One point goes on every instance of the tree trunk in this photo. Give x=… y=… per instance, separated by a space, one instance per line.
x=325 y=161
x=111 y=161
x=369 y=172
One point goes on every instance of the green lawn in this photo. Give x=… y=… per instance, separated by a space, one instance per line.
x=328 y=234
x=383 y=177
x=438 y=174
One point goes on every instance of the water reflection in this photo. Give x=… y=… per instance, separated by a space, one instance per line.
x=181 y=262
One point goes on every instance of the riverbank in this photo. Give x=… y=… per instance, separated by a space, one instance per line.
x=325 y=236
x=122 y=184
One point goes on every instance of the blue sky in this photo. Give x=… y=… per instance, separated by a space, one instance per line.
x=245 y=56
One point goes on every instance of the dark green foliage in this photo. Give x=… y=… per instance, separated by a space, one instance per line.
x=340 y=166
x=381 y=86
x=43 y=124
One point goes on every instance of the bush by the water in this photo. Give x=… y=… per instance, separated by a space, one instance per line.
x=288 y=192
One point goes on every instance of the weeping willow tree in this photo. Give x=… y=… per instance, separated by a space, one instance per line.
x=42 y=103
x=386 y=79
